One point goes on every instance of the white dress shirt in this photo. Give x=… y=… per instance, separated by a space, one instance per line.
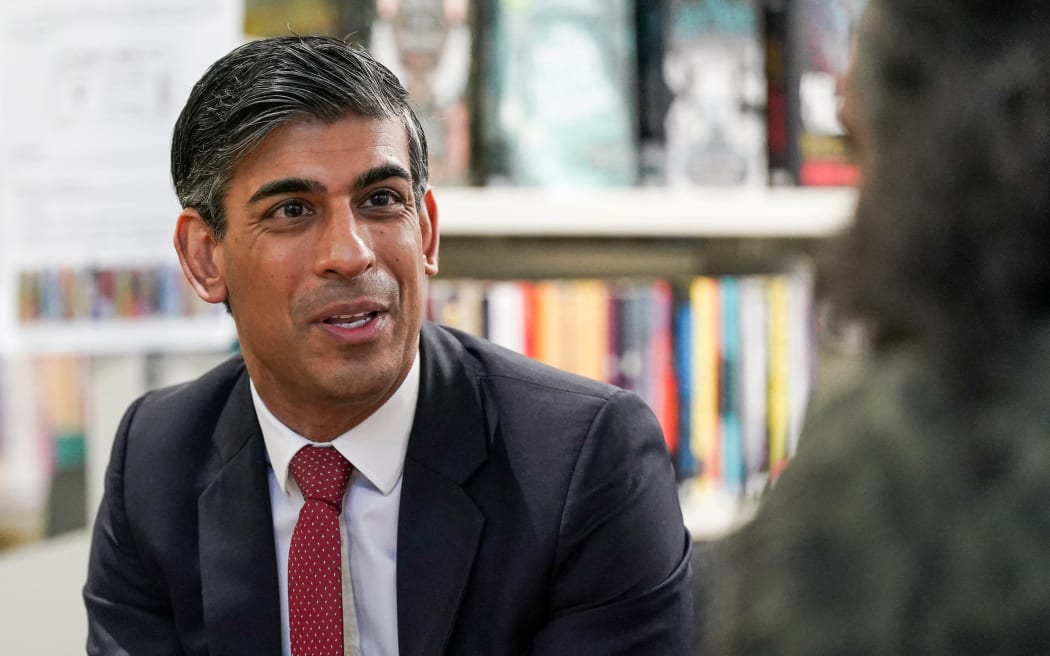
x=376 y=448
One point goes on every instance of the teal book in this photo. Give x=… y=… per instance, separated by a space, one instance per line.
x=561 y=97
x=733 y=466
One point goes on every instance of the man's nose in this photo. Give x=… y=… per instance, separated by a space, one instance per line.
x=345 y=248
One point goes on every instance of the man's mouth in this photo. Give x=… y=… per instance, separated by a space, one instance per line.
x=350 y=321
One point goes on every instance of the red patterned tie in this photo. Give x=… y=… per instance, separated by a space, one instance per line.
x=315 y=585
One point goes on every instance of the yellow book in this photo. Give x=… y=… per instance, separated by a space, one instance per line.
x=777 y=295
x=705 y=438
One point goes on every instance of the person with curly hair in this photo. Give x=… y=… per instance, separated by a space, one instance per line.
x=915 y=518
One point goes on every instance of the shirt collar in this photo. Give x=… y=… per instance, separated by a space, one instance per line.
x=375 y=447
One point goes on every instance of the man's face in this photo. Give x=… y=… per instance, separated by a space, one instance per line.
x=324 y=263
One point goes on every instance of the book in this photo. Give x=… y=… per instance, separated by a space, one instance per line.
x=559 y=84
x=506 y=314
x=686 y=462
x=664 y=394
x=705 y=433
x=781 y=106
x=654 y=96
x=777 y=345
x=753 y=382
x=714 y=129
x=429 y=46
x=732 y=447
x=821 y=35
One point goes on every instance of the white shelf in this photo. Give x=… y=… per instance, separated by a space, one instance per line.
x=644 y=211
x=126 y=336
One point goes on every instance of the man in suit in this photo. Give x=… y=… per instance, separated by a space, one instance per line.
x=492 y=505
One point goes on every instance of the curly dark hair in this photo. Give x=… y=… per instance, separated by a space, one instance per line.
x=950 y=247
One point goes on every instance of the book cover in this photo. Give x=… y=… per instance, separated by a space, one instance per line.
x=654 y=96
x=715 y=131
x=428 y=45
x=781 y=96
x=821 y=40
x=561 y=93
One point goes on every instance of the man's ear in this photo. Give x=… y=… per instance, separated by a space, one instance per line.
x=428 y=223
x=200 y=255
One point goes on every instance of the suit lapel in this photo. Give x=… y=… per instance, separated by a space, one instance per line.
x=439 y=526
x=237 y=553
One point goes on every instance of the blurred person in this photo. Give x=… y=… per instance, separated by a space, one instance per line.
x=914 y=518
x=492 y=505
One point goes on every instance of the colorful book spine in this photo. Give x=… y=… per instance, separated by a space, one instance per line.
x=705 y=437
x=726 y=363
x=733 y=466
x=752 y=384
x=777 y=404
x=103 y=293
x=664 y=396
x=686 y=462
x=506 y=315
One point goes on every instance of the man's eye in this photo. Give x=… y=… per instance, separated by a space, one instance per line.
x=381 y=199
x=292 y=209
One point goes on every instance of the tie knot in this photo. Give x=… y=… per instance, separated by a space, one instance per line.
x=322 y=473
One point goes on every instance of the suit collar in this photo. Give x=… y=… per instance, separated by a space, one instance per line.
x=439 y=526
x=238 y=566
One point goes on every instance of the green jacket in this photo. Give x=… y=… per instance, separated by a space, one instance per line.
x=912 y=521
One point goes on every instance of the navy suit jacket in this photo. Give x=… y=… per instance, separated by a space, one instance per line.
x=538 y=516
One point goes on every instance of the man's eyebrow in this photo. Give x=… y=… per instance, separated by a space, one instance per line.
x=380 y=173
x=286 y=186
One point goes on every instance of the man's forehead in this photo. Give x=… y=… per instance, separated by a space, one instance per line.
x=385 y=133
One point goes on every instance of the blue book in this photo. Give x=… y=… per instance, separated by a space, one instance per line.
x=685 y=460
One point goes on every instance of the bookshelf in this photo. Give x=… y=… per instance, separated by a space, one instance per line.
x=672 y=233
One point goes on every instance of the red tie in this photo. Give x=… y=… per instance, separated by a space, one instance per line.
x=315 y=584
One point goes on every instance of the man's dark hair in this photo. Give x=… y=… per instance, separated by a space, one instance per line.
x=951 y=242
x=263 y=84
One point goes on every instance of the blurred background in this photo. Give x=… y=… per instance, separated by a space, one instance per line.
x=636 y=190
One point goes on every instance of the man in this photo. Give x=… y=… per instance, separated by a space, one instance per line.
x=495 y=505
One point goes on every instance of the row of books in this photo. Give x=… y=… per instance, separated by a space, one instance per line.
x=726 y=363
x=572 y=93
x=100 y=293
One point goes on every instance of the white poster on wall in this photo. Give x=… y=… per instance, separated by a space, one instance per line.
x=89 y=93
